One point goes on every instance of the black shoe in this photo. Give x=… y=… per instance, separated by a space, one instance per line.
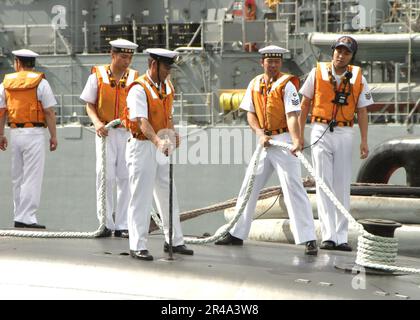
x=121 y=233
x=343 y=247
x=311 y=248
x=229 y=239
x=105 y=233
x=327 y=245
x=181 y=249
x=141 y=255
x=32 y=226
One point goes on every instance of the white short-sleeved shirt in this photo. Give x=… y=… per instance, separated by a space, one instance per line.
x=137 y=101
x=90 y=91
x=291 y=99
x=308 y=89
x=44 y=92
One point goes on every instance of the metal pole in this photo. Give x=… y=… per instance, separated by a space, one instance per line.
x=62 y=109
x=182 y=108
x=170 y=208
x=265 y=31
x=25 y=37
x=202 y=34
x=85 y=37
x=397 y=74
x=167 y=31
x=134 y=32
x=243 y=24
x=55 y=40
x=211 y=108
x=195 y=36
x=222 y=38
x=319 y=15
x=409 y=58
x=327 y=13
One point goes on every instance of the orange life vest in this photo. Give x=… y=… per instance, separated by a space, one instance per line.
x=159 y=107
x=111 y=98
x=323 y=106
x=270 y=107
x=23 y=107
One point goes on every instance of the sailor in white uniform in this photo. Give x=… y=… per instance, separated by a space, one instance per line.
x=105 y=94
x=150 y=104
x=332 y=133
x=273 y=106
x=21 y=94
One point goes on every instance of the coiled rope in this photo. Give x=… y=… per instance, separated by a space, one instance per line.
x=102 y=209
x=372 y=251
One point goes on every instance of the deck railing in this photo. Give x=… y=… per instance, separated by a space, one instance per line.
x=202 y=109
x=191 y=108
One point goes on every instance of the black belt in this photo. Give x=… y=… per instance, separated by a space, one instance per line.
x=338 y=123
x=274 y=132
x=27 y=125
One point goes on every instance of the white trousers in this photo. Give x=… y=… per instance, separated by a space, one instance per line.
x=149 y=178
x=28 y=161
x=297 y=203
x=331 y=158
x=116 y=176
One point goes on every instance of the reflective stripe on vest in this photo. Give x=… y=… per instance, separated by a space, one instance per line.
x=270 y=111
x=111 y=101
x=159 y=107
x=323 y=107
x=23 y=106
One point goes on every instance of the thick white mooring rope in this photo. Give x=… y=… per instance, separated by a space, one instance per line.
x=102 y=209
x=239 y=211
x=372 y=251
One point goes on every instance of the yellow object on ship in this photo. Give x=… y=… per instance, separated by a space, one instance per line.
x=272 y=4
x=231 y=100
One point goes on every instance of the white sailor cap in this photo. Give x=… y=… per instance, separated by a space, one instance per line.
x=25 y=53
x=166 y=56
x=272 y=52
x=124 y=46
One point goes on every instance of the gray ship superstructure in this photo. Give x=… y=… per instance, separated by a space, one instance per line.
x=218 y=58
x=72 y=36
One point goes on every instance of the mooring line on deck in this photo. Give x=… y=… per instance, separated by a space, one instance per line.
x=102 y=209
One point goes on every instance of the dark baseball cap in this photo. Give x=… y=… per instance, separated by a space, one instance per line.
x=346 y=41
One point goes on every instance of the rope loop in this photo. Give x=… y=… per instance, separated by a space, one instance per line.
x=102 y=209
